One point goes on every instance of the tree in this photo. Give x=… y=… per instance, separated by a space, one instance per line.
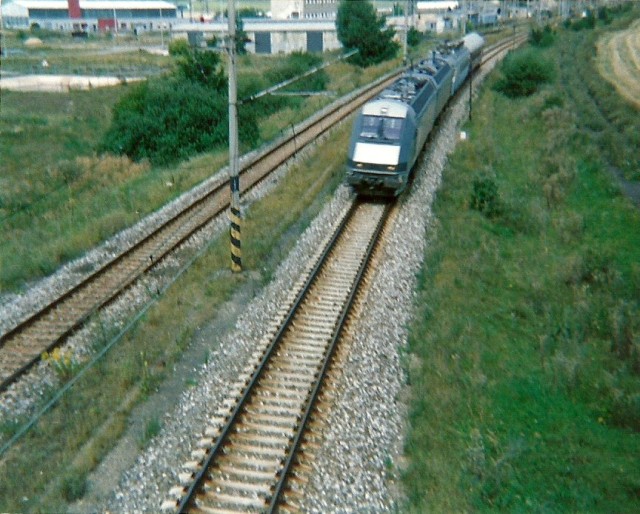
x=359 y=27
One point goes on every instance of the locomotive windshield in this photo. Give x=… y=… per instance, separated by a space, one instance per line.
x=381 y=128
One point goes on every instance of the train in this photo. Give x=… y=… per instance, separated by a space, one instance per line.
x=389 y=131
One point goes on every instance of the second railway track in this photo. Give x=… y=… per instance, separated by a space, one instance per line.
x=23 y=344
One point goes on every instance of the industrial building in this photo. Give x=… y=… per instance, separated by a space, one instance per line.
x=267 y=36
x=90 y=15
x=304 y=9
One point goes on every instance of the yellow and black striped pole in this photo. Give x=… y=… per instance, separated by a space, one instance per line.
x=234 y=179
x=234 y=218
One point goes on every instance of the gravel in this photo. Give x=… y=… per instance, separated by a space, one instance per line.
x=356 y=469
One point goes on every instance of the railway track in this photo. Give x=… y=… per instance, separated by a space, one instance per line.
x=22 y=346
x=249 y=448
x=247 y=457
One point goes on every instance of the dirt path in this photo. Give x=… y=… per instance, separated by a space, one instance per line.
x=619 y=61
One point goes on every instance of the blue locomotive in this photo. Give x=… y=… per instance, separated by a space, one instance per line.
x=391 y=130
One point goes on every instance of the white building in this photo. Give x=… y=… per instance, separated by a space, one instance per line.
x=89 y=15
x=304 y=9
x=268 y=36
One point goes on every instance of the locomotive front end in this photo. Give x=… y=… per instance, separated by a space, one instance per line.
x=378 y=160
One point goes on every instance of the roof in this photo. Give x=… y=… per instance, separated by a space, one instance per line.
x=261 y=25
x=386 y=107
x=437 y=5
x=94 y=4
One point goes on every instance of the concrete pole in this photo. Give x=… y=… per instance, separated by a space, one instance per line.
x=234 y=179
x=406 y=33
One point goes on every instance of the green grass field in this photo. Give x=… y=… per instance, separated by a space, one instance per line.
x=58 y=199
x=527 y=340
x=524 y=365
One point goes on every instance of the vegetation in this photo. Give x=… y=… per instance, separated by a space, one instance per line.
x=414 y=37
x=172 y=118
x=359 y=27
x=526 y=347
x=58 y=200
x=523 y=73
x=606 y=117
x=542 y=37
x=90 y=418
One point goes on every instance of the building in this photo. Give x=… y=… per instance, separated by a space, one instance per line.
x=268 y=36
x=304 y=9
x=90 y=15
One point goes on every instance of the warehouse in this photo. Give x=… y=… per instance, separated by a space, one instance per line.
x=269 y=36
x=90 y=15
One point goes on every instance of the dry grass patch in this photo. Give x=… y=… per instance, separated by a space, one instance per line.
x=619 y=61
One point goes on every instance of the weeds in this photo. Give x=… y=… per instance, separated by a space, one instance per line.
x=74 y=486
x=540 y=410
x=63 y=362
x=484 y=197
x=152 y=428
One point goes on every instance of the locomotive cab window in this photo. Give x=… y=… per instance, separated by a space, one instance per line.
x=381 y=128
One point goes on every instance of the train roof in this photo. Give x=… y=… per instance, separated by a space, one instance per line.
x=386 y=107
x=473 y=41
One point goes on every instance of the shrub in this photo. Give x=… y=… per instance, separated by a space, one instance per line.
x=523 y=73
x=203 y=67
x=588 y=22
x=179 y=47
x=484 y=197
x=414 y=37
x=169 y=120
x=74 y=486
x=542 y=38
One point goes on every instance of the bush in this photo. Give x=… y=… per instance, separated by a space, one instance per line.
x=203 y=67
x=74 y=486
x=414 y=37
x=169 y=120
x=484 y=197
x=586 y=23
x=542 y=38
x=523 y=73
x=179 y=47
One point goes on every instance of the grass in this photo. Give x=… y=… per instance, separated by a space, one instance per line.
x=524 y=357
x=526 y=405
x=58 y=200
x=88 y=421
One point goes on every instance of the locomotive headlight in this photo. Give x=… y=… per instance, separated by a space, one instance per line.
x=391 y=168
x=359 y=165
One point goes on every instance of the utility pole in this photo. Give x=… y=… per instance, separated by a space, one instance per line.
x=406 y=33
x=234 y=179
